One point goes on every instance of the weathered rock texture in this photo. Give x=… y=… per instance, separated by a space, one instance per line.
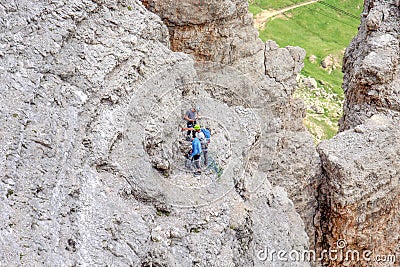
x=78 y=186
x=218 y=31
x=223 y=32
x=360 y=193
x=372 y=65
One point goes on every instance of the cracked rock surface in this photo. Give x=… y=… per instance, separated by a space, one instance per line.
x=69 y=195
x=359 y=193
x=360 y=190
x=371 y=65
x=223 y=32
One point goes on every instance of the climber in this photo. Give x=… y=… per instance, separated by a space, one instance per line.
x=191 y=117
x=196 y=153
x=204 y=136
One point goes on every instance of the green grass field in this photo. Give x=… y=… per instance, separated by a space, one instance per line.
x=256 y=6
x=321 y=31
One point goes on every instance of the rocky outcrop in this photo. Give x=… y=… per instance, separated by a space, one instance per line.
x=88 y=87
x=330 y=63
x=68 y=68
x=360 y=193
x=92 y=97
x=223 y=32
x=217 y=31
x=371 y=65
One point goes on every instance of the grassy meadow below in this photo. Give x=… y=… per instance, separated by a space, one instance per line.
x=324 y=29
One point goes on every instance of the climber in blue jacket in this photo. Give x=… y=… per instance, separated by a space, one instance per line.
x=196 y=153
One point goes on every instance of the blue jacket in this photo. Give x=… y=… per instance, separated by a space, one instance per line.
x=196 y=147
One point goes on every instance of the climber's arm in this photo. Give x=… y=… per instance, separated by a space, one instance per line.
x=187 y=129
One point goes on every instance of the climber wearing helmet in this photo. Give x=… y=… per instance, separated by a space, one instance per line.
x=203 y=134
x=196 y=153
x=191 y=117
x=196 y=129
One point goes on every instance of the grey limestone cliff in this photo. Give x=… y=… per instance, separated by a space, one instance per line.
x=371 y=65
x=86 y=88
x=359 y=194
x=223 y=32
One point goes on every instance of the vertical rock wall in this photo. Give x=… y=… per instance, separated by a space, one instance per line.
x=371 y=65
x=217 y=31
x=359 y=194
x=70 y=137
x=223 y=32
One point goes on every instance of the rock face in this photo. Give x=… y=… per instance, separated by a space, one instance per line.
x=223 y=32
x=91 y=174
x=360 y=193
x=217 y=31
x=371 y=65
x=85 y=85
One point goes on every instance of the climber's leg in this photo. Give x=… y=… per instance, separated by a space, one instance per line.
x=194 y=132
x=189 y=125
x=196 y=160
x=205 y=154
x=188 y=163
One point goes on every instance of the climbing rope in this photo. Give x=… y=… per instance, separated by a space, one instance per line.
x=213 y=165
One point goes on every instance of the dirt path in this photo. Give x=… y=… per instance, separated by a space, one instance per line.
x=261 y=18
